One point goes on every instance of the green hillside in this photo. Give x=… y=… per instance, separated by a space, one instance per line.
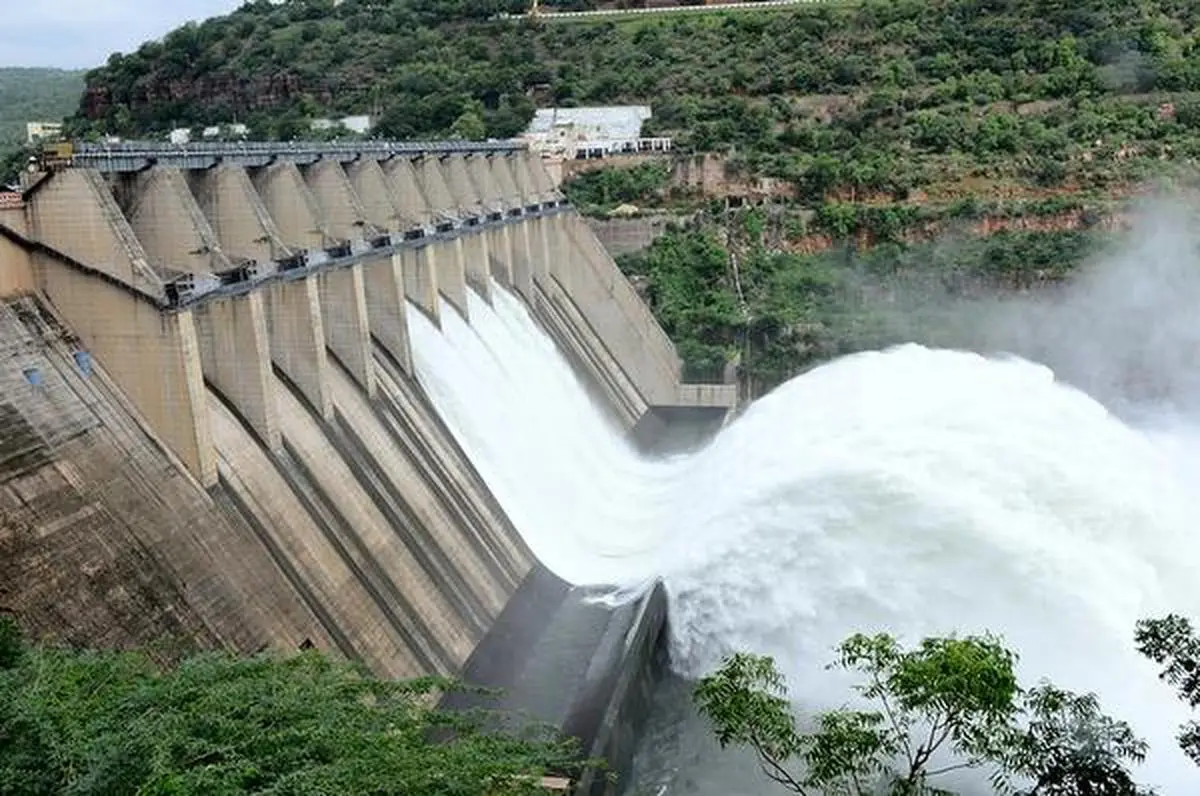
x=895 y=121
x=886 y=96
x=28 y=95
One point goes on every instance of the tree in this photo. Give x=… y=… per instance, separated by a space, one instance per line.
x=107 y=722
x=1171 y=642
x=469 y=126
x=953 y=698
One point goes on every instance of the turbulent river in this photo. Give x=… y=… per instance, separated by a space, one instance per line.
x=914 y=490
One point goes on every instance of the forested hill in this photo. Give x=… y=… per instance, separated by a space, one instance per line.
x=1017 y=125
x=891 y=76
x=28 y=95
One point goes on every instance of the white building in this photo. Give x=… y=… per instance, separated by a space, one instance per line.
x=578 y=133
x=360 y=125
x=40 y=131
x=226 y=131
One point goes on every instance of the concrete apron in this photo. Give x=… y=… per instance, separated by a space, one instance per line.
x=586 y=668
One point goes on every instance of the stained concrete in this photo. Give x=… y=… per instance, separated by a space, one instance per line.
x=331 y=505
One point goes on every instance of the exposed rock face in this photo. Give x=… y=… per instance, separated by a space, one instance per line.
x=216 y=91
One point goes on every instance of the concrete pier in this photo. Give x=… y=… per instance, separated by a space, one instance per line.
x=387 y=308
x=75 y=213
x=235 y=356
x=297 y=334
x=347 y=330
x=450 y=257
x=168 y=222
x=419 y=269
x=431 y=179
x=341 y=211
x=236 y=212
x=16 y=269
x=377 y=196
x=291 y=204
x=413 y=208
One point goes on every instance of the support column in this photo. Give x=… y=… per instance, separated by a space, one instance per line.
x=169 y=223
x=431 y=178
x=386 y=308
x=540 y=247
x=523 y=235
x=153 y=356
x=375 y=193
x=347 y=330
x=413 y=208
x=483 y=180
x=452 y=273
x=458 y=180
x=500 y=253
x=237 y=214
x=341 y=209
x=75 y=212
x=419 y=269
x=235 y=354
x=501 y=169
x=292 y=206
x=476 y=259
x=298 y=340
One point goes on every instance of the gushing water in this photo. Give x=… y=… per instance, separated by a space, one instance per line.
x=916 y=491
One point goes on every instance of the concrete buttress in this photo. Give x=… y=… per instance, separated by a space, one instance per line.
x=16 y=270
x=472 y=204
x=449 y=256
x=432 y=180
x=154 y=356
x=386 y=307
x=237 y=214
x=500 y=254
x=291 y=204
x=297 y=335
x=462 y=188
x=521 y=240
x=419 y=269
x=479 y=172
x=342 y=211
x=169 y=223
x=414 y=209
x=376 y=195
x=74 y=212
x=235 y=353
x=347 y=329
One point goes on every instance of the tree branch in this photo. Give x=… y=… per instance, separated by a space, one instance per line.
x=924 y=752
x=947 y=769
x=773 y=768
x=887 y=708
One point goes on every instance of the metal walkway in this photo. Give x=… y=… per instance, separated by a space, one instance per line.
x=139 y=155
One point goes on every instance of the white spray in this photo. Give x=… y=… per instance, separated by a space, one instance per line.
x=916 y=491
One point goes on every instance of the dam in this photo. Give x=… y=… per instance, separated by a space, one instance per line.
x=213 y=433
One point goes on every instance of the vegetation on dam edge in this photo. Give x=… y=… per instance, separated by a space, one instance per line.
x=88 y=722
x=947 y=704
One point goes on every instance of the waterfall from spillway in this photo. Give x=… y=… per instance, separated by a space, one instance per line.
x=916 y=491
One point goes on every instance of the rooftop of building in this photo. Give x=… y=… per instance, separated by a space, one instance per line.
x=613 y=121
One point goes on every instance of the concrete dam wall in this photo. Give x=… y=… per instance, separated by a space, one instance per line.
x=210 y=429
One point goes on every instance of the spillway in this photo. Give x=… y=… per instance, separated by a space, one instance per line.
x=917 y=491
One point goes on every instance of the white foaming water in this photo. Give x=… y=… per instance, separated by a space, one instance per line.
x=916 y=491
